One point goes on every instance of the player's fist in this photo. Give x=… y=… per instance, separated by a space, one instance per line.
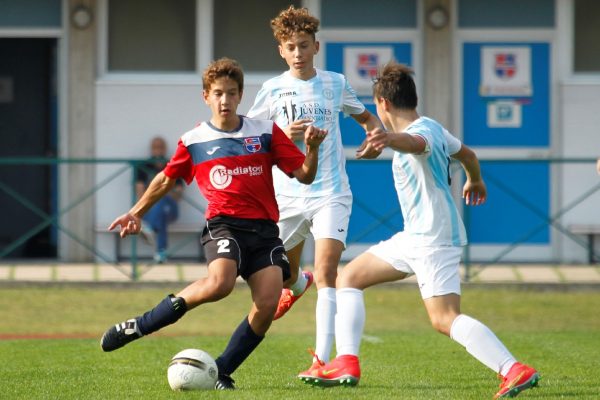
x=295 y=130
x=314 y=136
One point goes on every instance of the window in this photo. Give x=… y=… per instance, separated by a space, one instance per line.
x=357 y=14
x=506 y=13
x=152 y=36
x=242 y=30
x=587 y=32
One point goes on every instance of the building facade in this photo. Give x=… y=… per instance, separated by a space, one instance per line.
x=95 y=80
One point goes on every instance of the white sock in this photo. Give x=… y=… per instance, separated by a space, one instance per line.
x=349 y=321
x=482 y=344
x=325 y=322
x=300 y=285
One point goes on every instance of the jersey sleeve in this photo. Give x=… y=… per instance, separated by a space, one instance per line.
x=454 y=144
x=286 y=154
x=181 y=164
x=350 y=103
x=261 y=108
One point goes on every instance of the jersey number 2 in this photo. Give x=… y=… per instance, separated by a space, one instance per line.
x=223 y=246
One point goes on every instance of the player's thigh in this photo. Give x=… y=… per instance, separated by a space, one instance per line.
x=367 y=270
x=330 y=217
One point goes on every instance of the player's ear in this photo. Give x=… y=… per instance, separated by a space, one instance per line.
x=205 y=96
x=280 y=47
x=317 y=46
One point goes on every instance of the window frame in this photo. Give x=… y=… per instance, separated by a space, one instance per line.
x=565 y=40
x=204 y=39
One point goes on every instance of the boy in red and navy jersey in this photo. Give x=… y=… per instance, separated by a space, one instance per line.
x=231 y=158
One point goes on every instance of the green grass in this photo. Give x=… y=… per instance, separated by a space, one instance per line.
x=559 y=333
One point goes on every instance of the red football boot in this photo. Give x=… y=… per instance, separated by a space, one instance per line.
x=520 y=377
x=287 y=299
x=342 y=371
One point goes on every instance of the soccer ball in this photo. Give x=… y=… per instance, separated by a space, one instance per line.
x=192 y=369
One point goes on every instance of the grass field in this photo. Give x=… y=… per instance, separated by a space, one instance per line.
x=559 y=333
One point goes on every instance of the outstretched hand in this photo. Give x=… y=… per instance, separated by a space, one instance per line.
x=378 y=138
x=129 y=224
x=366 y=151
x=314 y=136
x=474 y=193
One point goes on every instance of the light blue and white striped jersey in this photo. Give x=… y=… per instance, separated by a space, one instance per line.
x=284 y=99
x=423 y=185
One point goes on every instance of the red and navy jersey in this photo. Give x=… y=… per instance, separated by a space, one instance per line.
x=233 y=169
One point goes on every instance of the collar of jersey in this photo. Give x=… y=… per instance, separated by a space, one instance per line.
x=231 y=131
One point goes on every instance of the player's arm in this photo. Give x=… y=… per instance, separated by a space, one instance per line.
x=313 y=137
x=369 y=122
x=130 y=222
x=474 y=190
x=402 y=142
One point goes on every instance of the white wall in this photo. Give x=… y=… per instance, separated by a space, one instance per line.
x=128 y=115
x=579 y=106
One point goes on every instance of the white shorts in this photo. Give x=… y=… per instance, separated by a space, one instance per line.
x=436 y=268
x=325 y=217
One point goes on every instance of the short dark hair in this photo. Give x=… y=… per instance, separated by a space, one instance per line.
x=395 y=83
x=223 y=67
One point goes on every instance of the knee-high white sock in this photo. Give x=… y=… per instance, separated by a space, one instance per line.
x=325 y=322
x=349 y=321
x=482 y=344
x=298 y=287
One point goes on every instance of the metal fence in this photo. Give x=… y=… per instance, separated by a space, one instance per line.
x=378 y=218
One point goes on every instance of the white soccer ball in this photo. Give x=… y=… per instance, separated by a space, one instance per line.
x=192 y=369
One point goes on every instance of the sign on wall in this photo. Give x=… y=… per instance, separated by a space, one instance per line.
x=506 y=71
x=361 y=63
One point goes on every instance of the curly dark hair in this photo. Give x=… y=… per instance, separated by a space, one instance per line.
x=294 y=20
x=395 y=83
x=223 y=67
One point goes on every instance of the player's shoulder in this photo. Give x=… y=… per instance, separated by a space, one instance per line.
x=275 y=81
x=257 y=124
x=194 y=135
x=331 y=74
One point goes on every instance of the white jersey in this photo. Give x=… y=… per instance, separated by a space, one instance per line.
x=423 y=185
x=285 y=99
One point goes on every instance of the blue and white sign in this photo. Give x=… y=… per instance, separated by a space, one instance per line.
x=361 y=63
x=504 y=114
x=506 y=71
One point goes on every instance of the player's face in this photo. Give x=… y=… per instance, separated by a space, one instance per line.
x=298 y=52
x=223 y=98
x=379 y=107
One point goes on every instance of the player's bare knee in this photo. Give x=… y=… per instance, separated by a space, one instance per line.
x=325 y=276
x=441 y=324
x=219 y=288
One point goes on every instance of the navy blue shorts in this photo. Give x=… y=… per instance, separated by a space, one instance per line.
x=253 y=243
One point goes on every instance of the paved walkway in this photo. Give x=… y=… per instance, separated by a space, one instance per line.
x=186 y=272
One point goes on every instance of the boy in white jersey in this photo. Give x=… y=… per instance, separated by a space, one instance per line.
x=429 y=246
x=299 y=97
